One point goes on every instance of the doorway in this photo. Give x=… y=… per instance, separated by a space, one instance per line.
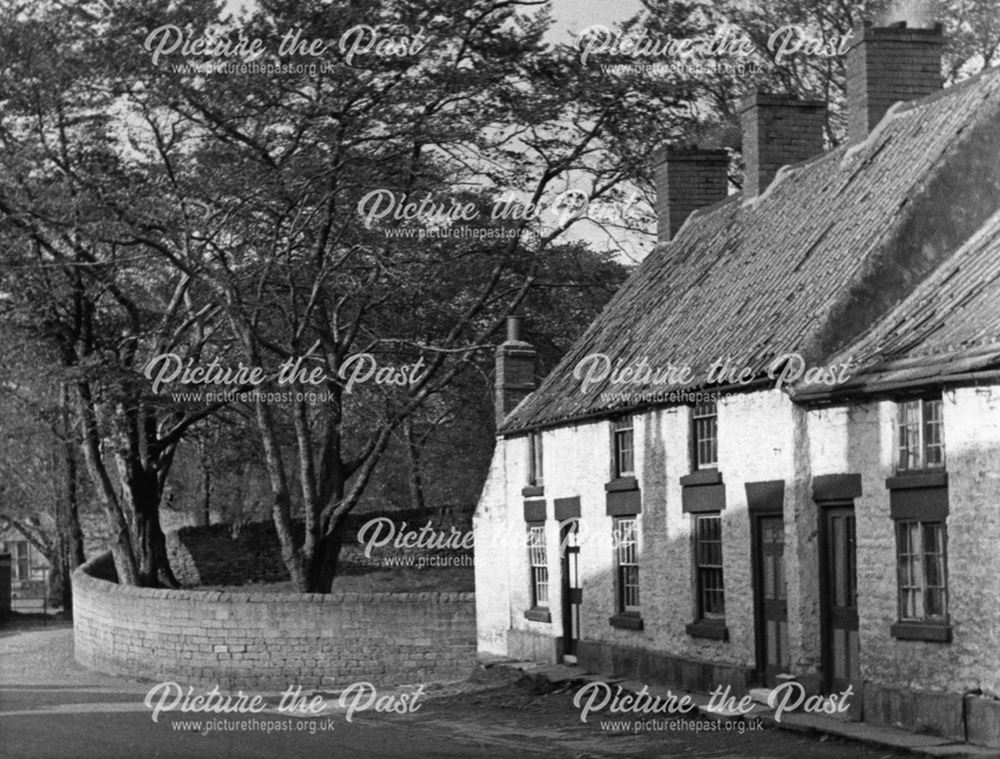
x=572 y=591
x=839 y=596
x=770 y=598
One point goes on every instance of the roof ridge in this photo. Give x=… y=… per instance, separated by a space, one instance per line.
x=817 y=266
x=953 y=89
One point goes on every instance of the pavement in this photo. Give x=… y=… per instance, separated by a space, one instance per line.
x=52 y=708
x=871 y=735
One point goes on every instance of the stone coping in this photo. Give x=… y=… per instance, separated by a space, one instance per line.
x=84 y=576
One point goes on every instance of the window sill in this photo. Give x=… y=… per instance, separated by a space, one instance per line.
x=626 y=621
x=934 y=632
x=622 y=483
x=713 y=629
x=917 y=478
x=530 y=491
x=538 y=614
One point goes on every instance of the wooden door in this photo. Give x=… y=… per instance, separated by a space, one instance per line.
x=572 y=591
x=770 y=600
x=839 y=589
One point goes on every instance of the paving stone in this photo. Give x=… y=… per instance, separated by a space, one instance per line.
x=839 y=725
x=881 y=736
x=960 y=751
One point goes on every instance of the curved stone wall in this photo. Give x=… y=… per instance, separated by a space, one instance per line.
x=269 y=641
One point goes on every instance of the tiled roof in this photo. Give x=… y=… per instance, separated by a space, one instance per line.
x=948 y=326
x=830 y=249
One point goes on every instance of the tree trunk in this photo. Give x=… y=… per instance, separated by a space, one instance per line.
x=59 y=583
x=69 y=544
x=151 y=548
x=415 y=480
x=141 y=498
x=281 y=501
x=206 y=486
x=121 y=545
x=325 y=561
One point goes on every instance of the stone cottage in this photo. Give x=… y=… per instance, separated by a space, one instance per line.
x=776 y=452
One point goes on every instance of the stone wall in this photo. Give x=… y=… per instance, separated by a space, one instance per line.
x=860 y=439
x=930 y=686
x=243 y=554
x=269 y=641
x=577 y=462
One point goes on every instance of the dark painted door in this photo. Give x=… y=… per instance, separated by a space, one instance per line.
x=840 y=599
x=771 y=603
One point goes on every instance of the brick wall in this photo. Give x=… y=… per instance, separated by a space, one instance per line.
x=687 y=179
x=515 y=376
x=777 y=131
x=886 y=65
x=269 y=641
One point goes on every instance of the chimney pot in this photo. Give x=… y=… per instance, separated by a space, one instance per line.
x=687 y=178
x=514 y=328
x=885 y=65
x=778 y=130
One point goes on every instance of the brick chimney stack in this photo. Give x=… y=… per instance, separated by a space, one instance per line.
x=687 y=179
x=778 y=130
x=886 y=65
x=515 y=370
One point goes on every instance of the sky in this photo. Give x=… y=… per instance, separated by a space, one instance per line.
x=574 y=15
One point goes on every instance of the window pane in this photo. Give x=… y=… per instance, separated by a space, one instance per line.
x=705 y=431
x=630 y=587
x=542 y=586
x=627 y=555
x=624 y=454
x=933 y=433
x=535 y=458
x=625 y=541
x=934 y=605
x=708 y=563
x=539 y=566
x=935 y=598
x=922 y=561
x=909 y=590
x=909 y=435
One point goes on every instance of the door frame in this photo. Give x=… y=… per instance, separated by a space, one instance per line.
x=570 y=596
